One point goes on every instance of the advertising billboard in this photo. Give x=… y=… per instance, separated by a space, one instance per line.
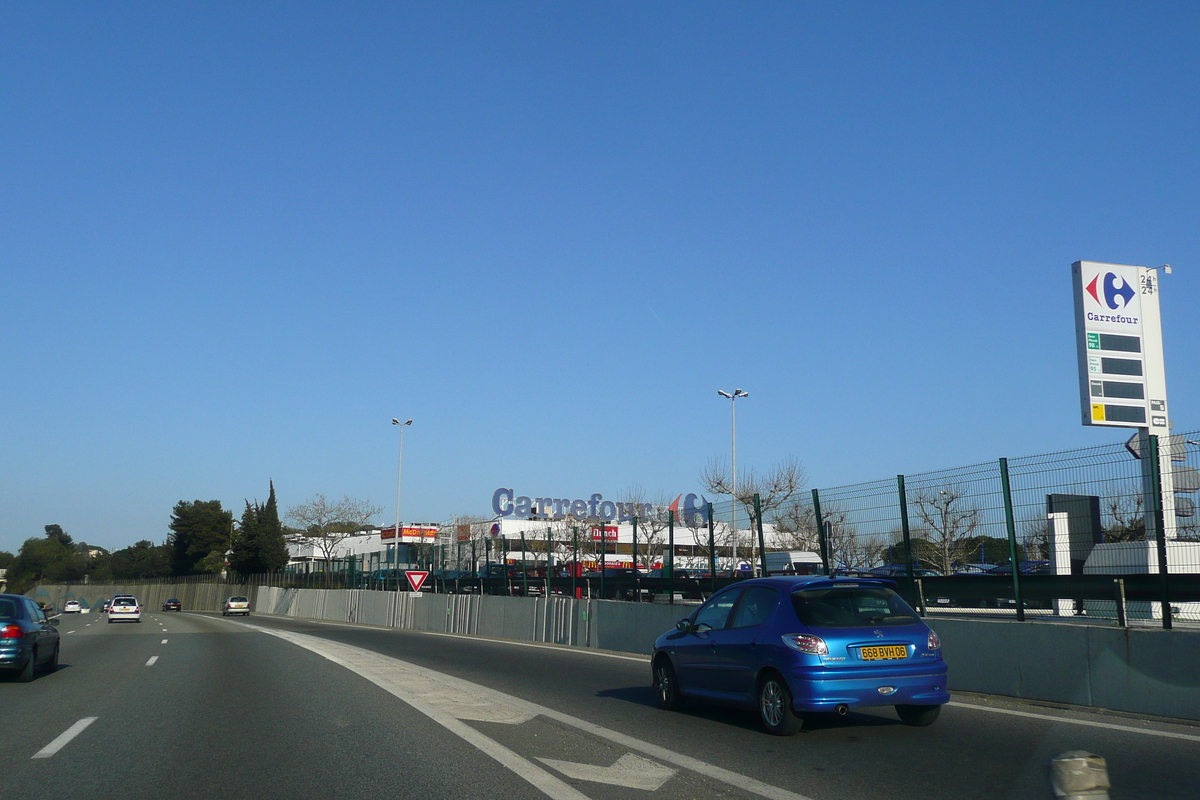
x=1118 y=336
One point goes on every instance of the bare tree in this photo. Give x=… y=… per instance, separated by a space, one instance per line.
x=1035 y=537
x=946 y=519
x=796 y=527
x=1126 y=518
x=774 y=488
x=324 y=524
x=651 y=528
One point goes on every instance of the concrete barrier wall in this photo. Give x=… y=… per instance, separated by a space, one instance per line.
x=1142 y=670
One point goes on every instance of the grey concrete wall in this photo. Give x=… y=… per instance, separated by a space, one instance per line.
x=1140 y=670
x=1144 y=671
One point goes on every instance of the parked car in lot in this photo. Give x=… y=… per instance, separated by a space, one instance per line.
x=28 y=638
x=72 y=607
x=125 y=609
x=173 y=605
x=236 y=605
x=901 y=571
x=791 y=646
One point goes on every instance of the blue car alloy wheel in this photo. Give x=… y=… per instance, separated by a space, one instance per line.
x=797 y=645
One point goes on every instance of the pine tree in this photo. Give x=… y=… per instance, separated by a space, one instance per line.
x=259 y=546
x=272 y=544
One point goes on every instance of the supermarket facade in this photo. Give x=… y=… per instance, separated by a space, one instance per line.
x=536 y=530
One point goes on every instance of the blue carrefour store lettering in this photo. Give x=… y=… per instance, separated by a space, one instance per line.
x=506 y=503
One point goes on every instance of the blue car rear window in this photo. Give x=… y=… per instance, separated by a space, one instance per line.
x=8 y=609
x=851 y=607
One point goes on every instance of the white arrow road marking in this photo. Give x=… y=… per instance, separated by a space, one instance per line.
x=630 y=772
x=448 y=700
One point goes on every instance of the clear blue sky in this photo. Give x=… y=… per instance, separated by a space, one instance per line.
x=236 y=239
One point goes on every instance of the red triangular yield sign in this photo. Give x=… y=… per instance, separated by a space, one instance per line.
x=416 y=578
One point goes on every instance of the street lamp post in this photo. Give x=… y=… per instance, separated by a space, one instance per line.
x=733 y=406
x=399 y=467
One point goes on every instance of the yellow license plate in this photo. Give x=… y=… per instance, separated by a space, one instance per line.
x=884 y=651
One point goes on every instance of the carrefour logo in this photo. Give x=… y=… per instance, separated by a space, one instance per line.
x=1117 y=291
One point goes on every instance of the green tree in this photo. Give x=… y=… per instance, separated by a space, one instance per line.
x=259 y=545
x=57 y=533
x=141 y=560
x=6 y=559
x=198 y=528
x=52 y=558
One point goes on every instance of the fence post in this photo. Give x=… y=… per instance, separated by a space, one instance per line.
x=603 y=556
x=524 y=568
x=1011 y=525
x=816 y=498
x=712 y=551
x=907 y=533
x=670 y=565
x=637 y=575
x=1156 y=481
x=1119 y=584
x=762 y=547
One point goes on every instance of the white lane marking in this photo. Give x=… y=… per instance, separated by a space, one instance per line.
x=64 y=738
x=88 y=625
x=150 y=663
x=70 y=631
x=447 y=699
x=630 y=772
x=164 y=641
x=1086 y=722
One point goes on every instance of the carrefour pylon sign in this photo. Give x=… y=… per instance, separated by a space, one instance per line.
x=1118 y=332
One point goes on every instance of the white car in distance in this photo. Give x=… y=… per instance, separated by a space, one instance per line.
x=125 y=609
x=236 y=605
x=72 y=607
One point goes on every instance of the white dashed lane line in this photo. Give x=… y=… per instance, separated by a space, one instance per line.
x=150 y=663
x=64 y=738
x=164 y=641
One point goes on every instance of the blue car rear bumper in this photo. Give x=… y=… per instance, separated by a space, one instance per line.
x=15 y=656
x=818 y=689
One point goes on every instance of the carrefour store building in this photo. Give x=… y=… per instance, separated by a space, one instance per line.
x=562 y=527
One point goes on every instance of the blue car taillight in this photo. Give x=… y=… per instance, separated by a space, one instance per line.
x=806 y=643
x=934 y=642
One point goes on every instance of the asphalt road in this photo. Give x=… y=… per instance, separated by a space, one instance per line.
x=267 y=707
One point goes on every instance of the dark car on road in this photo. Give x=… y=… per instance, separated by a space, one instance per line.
x=28 y=639
x=173 y=605
x=792 y=646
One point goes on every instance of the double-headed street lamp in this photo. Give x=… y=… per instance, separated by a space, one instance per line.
x=399 y=467
x=733 y=405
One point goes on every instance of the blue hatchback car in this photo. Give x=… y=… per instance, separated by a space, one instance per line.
x=788 y=646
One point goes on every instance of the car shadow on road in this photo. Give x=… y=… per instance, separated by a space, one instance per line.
x=742 y=718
